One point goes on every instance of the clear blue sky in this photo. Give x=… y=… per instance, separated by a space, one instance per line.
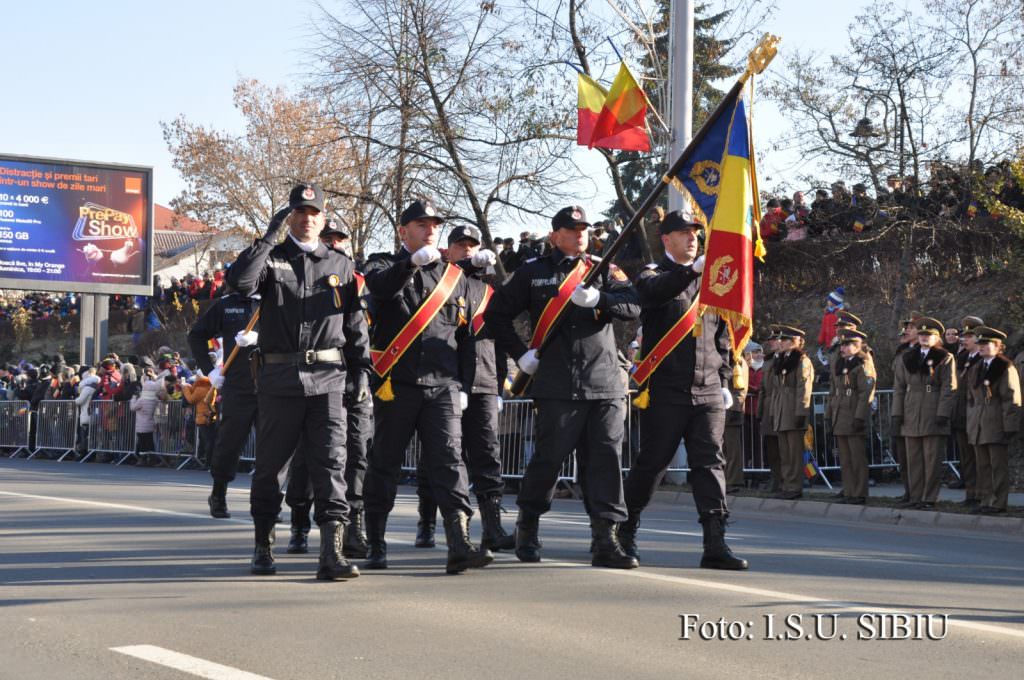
x=93 y=80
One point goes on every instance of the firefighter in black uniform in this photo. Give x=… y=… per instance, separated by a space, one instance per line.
x=359 y=410
x=578 y=386
x=421 y=389
x=686 y=396
x=227 y=318
x=312 y=332
x=480 y=419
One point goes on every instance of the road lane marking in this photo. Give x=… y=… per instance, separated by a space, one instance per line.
x=123 y=506
x=186 y=664
x=807 y=600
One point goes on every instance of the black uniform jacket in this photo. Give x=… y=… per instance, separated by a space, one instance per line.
x=581 y=362
x=700 y=366
x=225 y=318
x=480 y=369
x=397 y=289
x=299 y=312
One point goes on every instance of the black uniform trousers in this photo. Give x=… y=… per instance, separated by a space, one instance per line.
x=360 y=434
x=480 y=449
x=237 y=416
x=433 y=414
x=319 y=423
x=701 y=427
x=594 y=429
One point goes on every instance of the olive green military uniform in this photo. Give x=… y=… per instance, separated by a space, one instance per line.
x=851 y=390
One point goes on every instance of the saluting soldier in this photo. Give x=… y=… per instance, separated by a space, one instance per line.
x=908 y=340
x=227 y=318
x=359 y=432
x=484 y=375
x=577 y=389
x=924 y=395
x=790 y=407
x=965 y=360
x=312 y=333
x=685 y=378
x=421 y=332
x=849 y=407
x=993 y=418
x=769 y=437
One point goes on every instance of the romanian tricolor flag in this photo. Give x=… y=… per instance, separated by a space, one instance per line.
x=612 y=119
x=727 y=286
x=810 y=469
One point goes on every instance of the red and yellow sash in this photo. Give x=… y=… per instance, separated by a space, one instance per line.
x=360 y=283
x=478 y=317
x=384 y=361
x=553 y=309
x=668 y=342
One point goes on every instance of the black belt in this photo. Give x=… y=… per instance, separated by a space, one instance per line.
x=309 y=357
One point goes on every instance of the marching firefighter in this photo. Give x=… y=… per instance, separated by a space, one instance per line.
x=312 y=334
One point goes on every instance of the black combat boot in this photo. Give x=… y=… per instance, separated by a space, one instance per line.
x=494 y=536
x=627 y=535
x=354 y=545
x=527 y=541
x=263 y=556
x=716 y=553
x=377 y=555
x=333 y=565
x=462 y=554
x=218 y=501
x=607 y=551
x=298 y=544
x=425 y=527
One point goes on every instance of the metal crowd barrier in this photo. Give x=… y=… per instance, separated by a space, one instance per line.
x=171 y=432
x=14 y=427
x=56 y=428
x=111 y=429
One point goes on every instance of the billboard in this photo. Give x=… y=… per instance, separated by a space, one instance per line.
x=75 y=226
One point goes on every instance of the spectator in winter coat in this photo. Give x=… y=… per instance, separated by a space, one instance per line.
x=144 y=406
x=772 y=221
x=87 y=389
x=200 y=396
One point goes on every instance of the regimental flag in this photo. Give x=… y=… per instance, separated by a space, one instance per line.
x=619 y=120
x=727 y=285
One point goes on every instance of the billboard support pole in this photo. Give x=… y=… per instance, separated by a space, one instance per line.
x=86 y=339
x=101 y=317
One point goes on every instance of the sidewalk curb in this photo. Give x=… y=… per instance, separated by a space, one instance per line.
x=1007 y=526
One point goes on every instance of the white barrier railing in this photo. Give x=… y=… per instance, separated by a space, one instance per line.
x=56 y=428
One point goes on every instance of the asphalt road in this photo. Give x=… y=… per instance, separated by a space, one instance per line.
x=112 y=573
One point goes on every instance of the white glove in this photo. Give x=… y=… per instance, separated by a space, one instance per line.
x=484 y=259
x=246 y=339
x=501 y=404
x=698 y=264
x=529 y=362
x=726 y=398
x=216 y=379
x=585 y=296
x=425 y=256
x=463 y=401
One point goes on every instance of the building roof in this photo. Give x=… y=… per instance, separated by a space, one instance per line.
x=170 y=243
x=166 y=219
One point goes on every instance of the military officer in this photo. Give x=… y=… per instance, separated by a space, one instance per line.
x=227 y=318
x=578 y=389
x=993 y=417
x=769 y=437
x=421 y=338
x=359 y=432
x=924 y=395
x=685 y=375
x=845 y=320
x=851 y=390
x=790 y=407
x=312 y=333
x=965 y=360
x=480 y=419
x=908 y=340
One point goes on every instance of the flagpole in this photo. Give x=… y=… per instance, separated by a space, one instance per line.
x=680 y=79
x=757 y=61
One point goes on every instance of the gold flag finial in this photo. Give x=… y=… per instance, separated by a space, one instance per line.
x=762 y=55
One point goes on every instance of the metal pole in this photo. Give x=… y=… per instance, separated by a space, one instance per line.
x=100 y=325
x=680 y=83
x=86 y=340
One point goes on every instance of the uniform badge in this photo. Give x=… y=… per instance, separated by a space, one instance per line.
x=461 y=301
x=334 y=281
x=617 y=274
x=308 y=193
x=428 y=210
x=845 y=371
x=577 y=215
